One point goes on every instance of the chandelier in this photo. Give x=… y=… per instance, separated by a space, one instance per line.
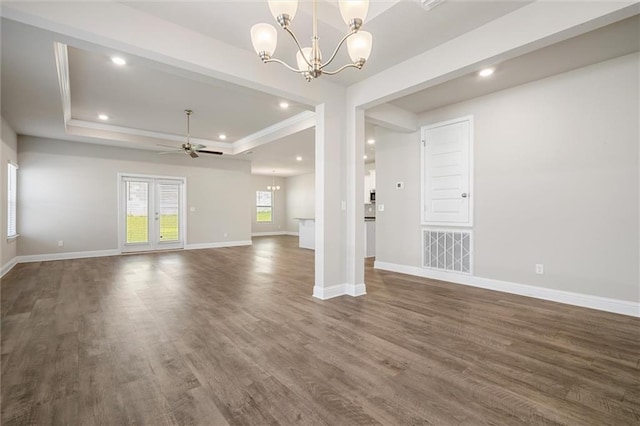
x=309 y=59
x=273 y=187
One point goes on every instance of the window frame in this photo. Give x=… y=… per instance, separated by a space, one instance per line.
x=12 y=201
x=264 y=206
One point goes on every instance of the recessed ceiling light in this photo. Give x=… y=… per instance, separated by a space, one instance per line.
x=222 y=136
x=284 y=105
x=118 y=60
x=298 y=158
x=364 y=156
x=103 y=117
x=371 y=141
x=486 y=72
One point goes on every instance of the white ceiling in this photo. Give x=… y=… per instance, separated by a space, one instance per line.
x=148 y=96
x=401 y=29
x=618 y=39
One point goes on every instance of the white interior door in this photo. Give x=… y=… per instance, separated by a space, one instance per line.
x=151 y=213
x=446 y=173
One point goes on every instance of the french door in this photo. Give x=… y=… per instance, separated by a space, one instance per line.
x=151 y=213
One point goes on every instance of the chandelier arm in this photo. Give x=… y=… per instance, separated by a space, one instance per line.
x=285 y=64
x=299 y=47
x=342 y=68
x=335 y=52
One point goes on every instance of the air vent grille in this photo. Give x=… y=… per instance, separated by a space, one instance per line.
x=447 y=250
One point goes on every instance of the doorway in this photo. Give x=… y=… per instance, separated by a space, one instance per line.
x=151 y=213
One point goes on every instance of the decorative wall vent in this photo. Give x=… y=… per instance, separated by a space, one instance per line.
x=447 y=250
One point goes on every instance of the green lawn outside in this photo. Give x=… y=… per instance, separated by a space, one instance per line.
x=137 y=229
x=263 y=214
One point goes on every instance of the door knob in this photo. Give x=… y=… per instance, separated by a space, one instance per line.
x=464 y=195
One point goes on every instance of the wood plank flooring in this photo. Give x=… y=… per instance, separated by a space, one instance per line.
x=233 y=336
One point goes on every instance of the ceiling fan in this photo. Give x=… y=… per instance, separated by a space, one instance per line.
x=189 y=148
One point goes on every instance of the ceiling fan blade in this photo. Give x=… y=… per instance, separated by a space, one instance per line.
x=193 y=154
x=177 y=151
x=210 y=152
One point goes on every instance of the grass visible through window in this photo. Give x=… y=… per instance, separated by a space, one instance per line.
x=138 y=230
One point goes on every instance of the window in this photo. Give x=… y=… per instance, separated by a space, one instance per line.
x=12 y=177
x=264 y=206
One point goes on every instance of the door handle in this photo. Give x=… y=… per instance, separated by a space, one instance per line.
x=464 y=195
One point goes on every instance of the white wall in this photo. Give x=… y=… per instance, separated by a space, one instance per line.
x=260 y=183
x=8 y=152
x=68 y=191
x=300 y=199
x=556 y=182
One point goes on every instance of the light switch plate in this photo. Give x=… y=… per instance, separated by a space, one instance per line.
x=192 y=209
x=380 y=207
x=343 y=205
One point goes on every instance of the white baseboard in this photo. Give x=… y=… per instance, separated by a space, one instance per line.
x=102 y=253
x=67 y=255
x=199 y=246
x=9 y=266
x=356 y=290
x=577 y=299
x=268 y=234
x=330 y=292
x=324 y=293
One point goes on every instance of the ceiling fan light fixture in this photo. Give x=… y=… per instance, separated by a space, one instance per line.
x=188 y=148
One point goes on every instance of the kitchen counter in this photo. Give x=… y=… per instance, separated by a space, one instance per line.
x=306 y=232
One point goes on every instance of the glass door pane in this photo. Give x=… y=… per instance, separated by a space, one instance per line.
x=137 y=212
x=169 y=211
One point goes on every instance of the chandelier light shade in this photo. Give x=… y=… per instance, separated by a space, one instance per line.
x=264 y=38
x=309 y=63
x=352 y=10
x=285 y=8
x=359 y=46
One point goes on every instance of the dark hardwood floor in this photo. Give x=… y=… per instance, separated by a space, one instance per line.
x=233 y=336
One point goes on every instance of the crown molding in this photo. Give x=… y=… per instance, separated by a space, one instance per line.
x=291 y=125
x=62 y=66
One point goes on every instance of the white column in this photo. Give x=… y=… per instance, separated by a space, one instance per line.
x=330 y=273
x=355 y=205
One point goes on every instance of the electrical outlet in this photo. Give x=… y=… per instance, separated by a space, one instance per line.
x=60 y=243
x=192 y=209
x=343 y=205
x=226 y=235
x=539 y=268
x=380 y=207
